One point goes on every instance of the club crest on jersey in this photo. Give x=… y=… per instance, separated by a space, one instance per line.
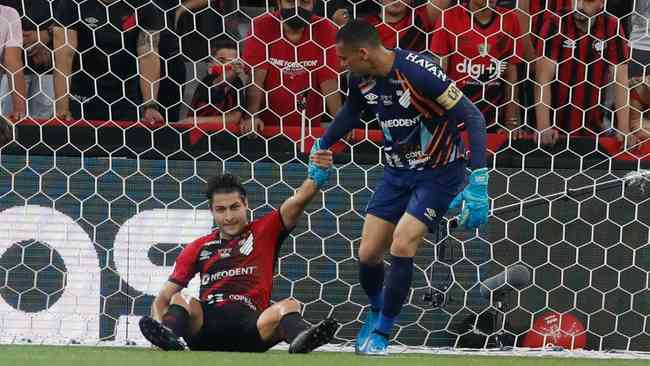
x=246 y=246
x=405 y=99
x=371 y=98
x=599 y=46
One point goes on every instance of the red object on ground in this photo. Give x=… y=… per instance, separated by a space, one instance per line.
x=554 y=329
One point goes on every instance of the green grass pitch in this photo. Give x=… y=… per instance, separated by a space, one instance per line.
x=97 y=356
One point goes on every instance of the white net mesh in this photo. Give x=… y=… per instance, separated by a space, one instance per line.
x=95 y=207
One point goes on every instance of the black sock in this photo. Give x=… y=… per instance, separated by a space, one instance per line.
x=177 y=319
x=398 y=285
x=371 y=278
x=291 y=325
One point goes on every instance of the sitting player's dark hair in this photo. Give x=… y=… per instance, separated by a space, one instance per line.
x=224 y=183
x=357 y=34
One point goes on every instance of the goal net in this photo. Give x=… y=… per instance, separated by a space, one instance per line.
x=93 y=212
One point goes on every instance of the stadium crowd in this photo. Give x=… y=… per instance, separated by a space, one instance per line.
x=562 y=67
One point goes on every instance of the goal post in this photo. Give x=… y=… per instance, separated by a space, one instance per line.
x=125 y=218
x=94 y=211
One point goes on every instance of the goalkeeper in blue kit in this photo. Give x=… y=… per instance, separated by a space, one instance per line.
x=421 y=113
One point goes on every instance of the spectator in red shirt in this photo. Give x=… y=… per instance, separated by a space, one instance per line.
x=292 y=54
x=480 y=46
x=522 y=9
x=588 y=49
x=218 y=98
x=404 y=26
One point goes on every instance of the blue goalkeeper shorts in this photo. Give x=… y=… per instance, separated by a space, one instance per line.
x=424 y=194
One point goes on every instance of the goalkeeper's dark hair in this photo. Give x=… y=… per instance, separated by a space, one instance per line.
x=357 y=34
x=224 y=183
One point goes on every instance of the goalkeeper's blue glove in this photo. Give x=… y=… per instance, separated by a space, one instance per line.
x=316 y=173
x=475 y=195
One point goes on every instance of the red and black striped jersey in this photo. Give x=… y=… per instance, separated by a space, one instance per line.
x=541 y=10
x=584 y=65
x=478 y=54
x=236 y=270
x=410 y=33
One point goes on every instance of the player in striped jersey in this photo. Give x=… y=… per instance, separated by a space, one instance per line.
x=583 y=51
x=421 y=113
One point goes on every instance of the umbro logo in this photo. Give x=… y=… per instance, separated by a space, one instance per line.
x=430 y=214
x=569 y=43
x=371 y=98
x=205 y=255
x=92 y=22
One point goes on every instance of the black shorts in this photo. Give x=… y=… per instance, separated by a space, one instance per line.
x=231 y=327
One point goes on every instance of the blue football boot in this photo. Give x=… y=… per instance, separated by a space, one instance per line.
x=376 y=345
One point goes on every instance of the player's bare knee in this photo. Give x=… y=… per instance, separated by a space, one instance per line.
x=404 y=245
x=181 y=300
x=370 y=254
x=369 y=258
x=289 y=306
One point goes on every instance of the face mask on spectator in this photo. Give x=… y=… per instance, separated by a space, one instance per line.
x=293 y=20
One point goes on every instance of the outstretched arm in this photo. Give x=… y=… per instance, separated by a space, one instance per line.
x=347 y=118
x=292 y=208
x=345 y=121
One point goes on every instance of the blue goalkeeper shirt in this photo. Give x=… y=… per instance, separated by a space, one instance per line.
x=421 y=113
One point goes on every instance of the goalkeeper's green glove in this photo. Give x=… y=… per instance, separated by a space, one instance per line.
x=475 y=211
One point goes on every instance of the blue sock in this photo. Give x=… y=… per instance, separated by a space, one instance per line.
x=371 y=277
x=397 y=289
